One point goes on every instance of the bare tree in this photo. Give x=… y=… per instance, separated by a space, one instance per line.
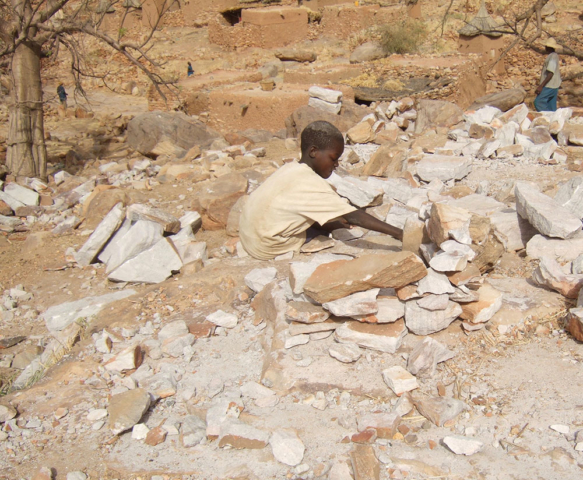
x=27 y=29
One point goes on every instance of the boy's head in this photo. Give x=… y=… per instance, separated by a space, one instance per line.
x=322 y=145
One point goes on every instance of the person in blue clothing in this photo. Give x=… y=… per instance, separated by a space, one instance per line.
x=190 y=70
x=550 y=80
x=62 y=95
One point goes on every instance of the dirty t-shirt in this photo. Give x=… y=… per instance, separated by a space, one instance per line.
x=276 y=216
x=552 y=65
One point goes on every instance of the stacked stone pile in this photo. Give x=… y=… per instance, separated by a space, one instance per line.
x=325 y=99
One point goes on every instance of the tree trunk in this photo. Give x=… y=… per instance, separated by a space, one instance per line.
x=26 y=151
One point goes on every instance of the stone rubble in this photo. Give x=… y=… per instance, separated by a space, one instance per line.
x=381 y=296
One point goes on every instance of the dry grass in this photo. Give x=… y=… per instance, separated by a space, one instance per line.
x=367 y=80
x=403 y=37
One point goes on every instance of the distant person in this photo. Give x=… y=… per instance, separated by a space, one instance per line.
x=190 y=70
x=296 y=204
x=62 y=95
x=550 y=80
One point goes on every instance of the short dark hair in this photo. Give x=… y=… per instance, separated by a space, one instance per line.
x=321 y=135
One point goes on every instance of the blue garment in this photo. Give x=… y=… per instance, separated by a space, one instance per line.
x=547 y=100
x=61 y=93
x=190 y=71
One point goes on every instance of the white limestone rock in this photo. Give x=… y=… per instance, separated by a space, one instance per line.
x=100 y=236
x=399 y=380
x=333 y=108
x=223 y=319
x=544 y=213
x=257 y=278
x=461 y=445
x=358 y=192
x=326 y=94
x=426 y=322
x=360 y=303
x=287 y=447
x=22 y=194
x=443 y=167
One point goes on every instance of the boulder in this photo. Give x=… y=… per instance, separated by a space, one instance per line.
x=367 y=52
x=544 y=213
x=344 y=277
x=146 y=130
x=504 y=100
x=361 y=133
x=436 y=113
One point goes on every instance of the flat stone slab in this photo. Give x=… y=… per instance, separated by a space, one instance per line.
x=426 y=322
x=100 y=236
x=60 y=316
x=562 y=251
x=358 y=192
x=139 y=237
x=545 y=214
x=341 y=278
x=153 y=265
x=443 y=167
x=384 y=338
x=22 y=194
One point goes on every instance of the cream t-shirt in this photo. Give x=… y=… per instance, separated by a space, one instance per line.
x=552 y=65
x=276 y=216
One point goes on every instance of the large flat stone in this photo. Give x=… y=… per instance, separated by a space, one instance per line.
x=562 y=251
x=58 y=317
x=22 y=194
x=126 y=409
x=301 y=271
x=570 y=196
x=485 y=308
x=511 y=229
x=358 y=192
x=443 y=167
x=425 y=322
x=141 y=236
x=384 y=338
x=435 y=283
x=150 y=266
x=344 y=277
x=447 y=221
x=425 y=356
x=100 y=236
x=545 y=214
x=549 y=274
x=360 y=303
x=138 y=211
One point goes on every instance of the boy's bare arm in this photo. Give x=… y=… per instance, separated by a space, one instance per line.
x=364 y=220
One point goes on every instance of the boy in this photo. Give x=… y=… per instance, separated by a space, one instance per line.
x=550 y=80
x=276 y=216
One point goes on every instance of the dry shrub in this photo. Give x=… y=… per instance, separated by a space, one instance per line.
x=370 y=34
x=403 y=37
x=367 y=80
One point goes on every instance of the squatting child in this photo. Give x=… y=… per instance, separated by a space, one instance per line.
x=285 y=209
